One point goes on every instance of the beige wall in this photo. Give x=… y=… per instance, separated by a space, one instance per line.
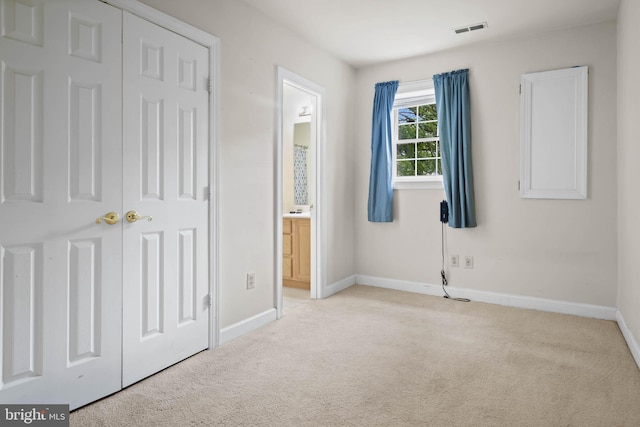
x=252 y=47
x=561 y=250
x=628 y=170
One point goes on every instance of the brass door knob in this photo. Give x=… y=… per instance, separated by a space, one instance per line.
x=132 y=216
x=110 y=218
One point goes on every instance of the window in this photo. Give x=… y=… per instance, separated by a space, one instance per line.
x=417 y=162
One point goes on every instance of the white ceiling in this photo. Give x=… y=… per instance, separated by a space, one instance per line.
x=363 y=32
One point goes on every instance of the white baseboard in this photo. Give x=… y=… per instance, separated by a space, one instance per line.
x=336 y=287
x=399 y=285
x=628 y=336
x=564 y=307
x=542 y=304
x=252 y=323
x=247 y=325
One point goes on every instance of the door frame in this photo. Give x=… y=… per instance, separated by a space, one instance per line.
x=318 y=212
x=212 y=44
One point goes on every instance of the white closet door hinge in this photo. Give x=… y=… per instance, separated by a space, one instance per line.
x=209 y=85
x=209 y=300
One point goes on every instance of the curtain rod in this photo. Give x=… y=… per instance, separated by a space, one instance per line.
x=427 y=81
x=415 y=82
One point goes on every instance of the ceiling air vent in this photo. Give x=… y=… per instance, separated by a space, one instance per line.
x=470 y=28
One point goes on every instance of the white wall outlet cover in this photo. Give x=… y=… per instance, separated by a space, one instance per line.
x=468 y=262
x=454 y=261
x=251 y=280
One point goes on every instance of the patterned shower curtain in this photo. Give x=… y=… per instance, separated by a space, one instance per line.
x=300 y=175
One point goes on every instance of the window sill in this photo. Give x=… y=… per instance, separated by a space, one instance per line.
x=435 y=184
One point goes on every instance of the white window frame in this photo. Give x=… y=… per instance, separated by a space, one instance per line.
x=409 y=95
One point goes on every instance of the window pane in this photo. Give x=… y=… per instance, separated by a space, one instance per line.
x=406 y=151
x=407 y=115
x=427 y=112
x=427 y=149
x=426 y=167
x=407 y=131
x=439 y=166
x=406 y=168
x=428 y=130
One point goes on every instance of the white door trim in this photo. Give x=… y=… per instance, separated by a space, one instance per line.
x=318 y=215
x=212 y=43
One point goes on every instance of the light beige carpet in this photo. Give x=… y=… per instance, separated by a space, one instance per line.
x=292 y=297
x=376 y=357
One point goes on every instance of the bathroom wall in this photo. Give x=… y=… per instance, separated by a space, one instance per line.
x=293 y=100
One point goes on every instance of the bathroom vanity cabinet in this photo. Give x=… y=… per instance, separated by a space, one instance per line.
x=296 y=252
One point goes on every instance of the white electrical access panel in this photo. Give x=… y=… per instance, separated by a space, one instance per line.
x=553 y=134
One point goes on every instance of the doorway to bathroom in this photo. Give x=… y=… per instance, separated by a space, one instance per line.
x=299 y=186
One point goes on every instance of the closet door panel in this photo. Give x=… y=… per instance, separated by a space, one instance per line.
x=166 y=179
x=60 y=158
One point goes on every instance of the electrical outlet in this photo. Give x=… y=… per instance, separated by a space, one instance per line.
x=468 y=261
x=251 y=280
x=454 y=261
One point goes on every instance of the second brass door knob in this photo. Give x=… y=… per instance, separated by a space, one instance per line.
x=132 y=216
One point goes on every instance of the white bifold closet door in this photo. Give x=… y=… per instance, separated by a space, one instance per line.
x=87 y=307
